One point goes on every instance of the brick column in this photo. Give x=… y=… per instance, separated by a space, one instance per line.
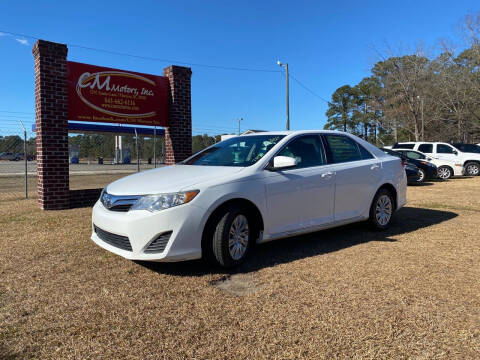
x=52 y=124
x=178 y=136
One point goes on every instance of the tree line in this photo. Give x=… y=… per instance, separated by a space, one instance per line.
x=416 y=97
x=92 y=146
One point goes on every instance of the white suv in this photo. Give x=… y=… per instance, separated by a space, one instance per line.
x=440 y=150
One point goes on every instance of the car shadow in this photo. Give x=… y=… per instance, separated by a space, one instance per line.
x=421 y=184
x=282 y=251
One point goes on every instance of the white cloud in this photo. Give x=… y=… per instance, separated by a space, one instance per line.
x=4 y=34
x=23 y=41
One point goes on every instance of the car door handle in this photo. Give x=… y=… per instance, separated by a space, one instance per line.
x=374 y=166
x=327 y=175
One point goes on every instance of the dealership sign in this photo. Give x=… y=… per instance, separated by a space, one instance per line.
x=101 y=94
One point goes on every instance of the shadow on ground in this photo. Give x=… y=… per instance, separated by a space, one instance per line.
x=408 y=219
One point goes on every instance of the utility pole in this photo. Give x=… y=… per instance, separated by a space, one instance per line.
x=423 y=124
x=421 y=117
x=287 y=92
x=25 y=158
x=240 y=119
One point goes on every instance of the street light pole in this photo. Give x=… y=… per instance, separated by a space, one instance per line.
x=287 y=92
x=240 y=119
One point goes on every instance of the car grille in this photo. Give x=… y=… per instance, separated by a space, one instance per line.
x=119 y=241
x=159 y=244
x=120 y=203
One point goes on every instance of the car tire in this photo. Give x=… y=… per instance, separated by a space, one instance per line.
x=382 y=210
x=422 y=176
x=472 y=169
x=229 y=238
x=444 y=172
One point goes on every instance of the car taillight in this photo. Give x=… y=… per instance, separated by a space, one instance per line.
x=403 y=163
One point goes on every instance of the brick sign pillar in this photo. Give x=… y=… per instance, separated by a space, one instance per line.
x=51 y=124
x=178 y=136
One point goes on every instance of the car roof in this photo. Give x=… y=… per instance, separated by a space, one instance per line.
x=297 y=132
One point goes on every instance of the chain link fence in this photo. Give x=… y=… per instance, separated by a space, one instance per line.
x=95 y=159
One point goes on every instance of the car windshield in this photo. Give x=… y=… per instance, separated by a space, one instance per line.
x=238 y=151
x=468 y=148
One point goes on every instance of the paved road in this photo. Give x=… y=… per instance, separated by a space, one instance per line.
x=9 y=168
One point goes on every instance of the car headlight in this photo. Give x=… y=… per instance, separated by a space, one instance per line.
x=159 y=202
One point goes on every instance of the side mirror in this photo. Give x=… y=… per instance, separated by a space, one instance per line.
x=455 y=152
x=283 y=162
x=429 y=159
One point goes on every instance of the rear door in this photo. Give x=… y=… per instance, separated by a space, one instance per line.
x=426 y=148
x=357 y=173
x=303 y=196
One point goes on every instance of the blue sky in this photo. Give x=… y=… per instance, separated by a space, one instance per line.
x=327 y=45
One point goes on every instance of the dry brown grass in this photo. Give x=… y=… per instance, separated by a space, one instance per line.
x=411 y=292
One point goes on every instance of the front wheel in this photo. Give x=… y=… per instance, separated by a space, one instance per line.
x=472 y=169
x=444 y=172
x=381 y=210
x=229 y=239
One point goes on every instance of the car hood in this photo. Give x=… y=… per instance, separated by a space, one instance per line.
x=169 y=179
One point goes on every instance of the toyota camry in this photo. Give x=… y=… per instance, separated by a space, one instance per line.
x=249 y=189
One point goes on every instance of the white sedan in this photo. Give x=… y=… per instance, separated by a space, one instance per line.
x=245 y=190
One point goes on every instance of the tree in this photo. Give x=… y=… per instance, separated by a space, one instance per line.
x=340 y=109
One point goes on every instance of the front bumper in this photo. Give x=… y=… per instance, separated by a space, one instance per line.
x=141 y=227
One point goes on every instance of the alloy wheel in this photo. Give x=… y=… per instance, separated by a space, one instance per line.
x=383 y=210
x=444 y=173
x=472 y=169
x=238 y=237
x=421 y=176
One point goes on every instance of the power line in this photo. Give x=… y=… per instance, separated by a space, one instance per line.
x=308 y=89
x=220 y=67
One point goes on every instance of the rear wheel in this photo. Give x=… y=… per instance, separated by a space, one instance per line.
x=229 y=238
x=444 y=172
x=381 y=210
x=472 y=169
x=421 y=176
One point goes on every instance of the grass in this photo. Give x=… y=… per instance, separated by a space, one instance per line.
x=410 y=292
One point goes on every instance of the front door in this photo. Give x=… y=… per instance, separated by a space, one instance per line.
x=303 y=196
x=445 y=151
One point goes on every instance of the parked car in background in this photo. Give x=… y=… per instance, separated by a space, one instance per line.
x=467 y=148
x=445 y=168
x=248 y=189
x=412 y=172
x=470 y=161
x=9 y=156
x=424 y=170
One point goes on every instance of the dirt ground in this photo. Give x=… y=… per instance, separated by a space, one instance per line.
x=410 y=292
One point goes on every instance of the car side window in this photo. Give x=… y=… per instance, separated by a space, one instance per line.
x=307 y=150
x=343 y=149
x=365 y=153
x=426 y=148
x=444 y=149
x=414 y=155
